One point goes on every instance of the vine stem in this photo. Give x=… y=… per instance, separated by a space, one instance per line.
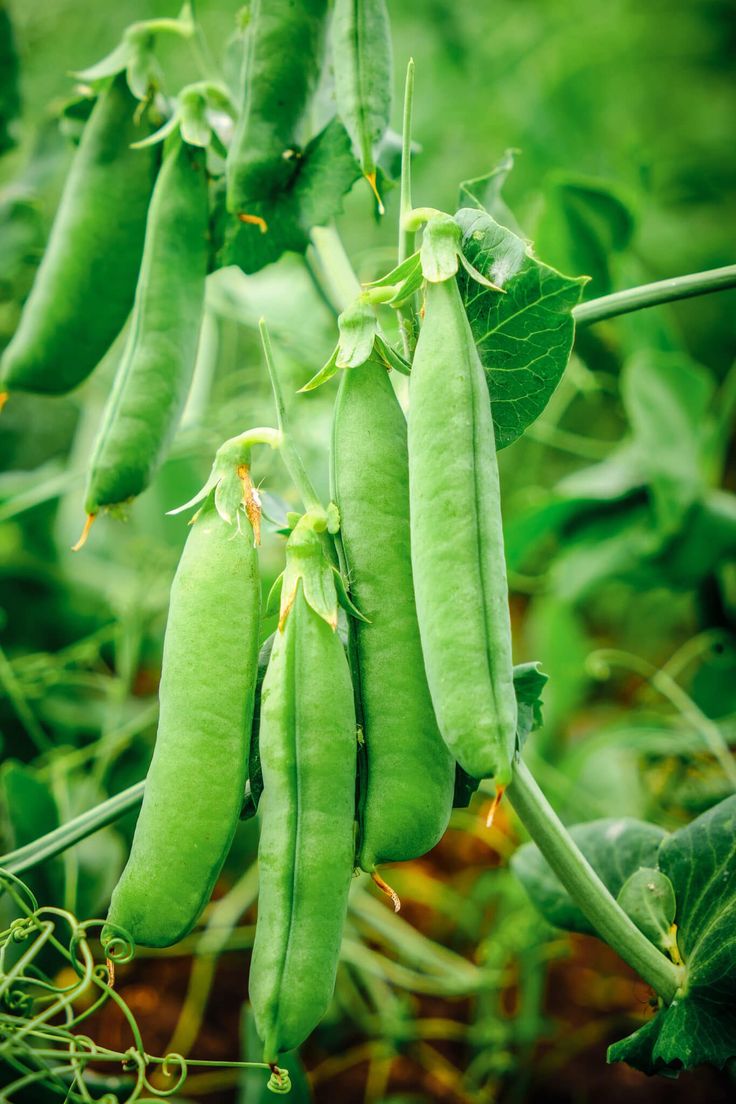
x=292 y=459
x=334 y=270
x=53 y=843
x=406 y=236
x=650 y=295
x=586 y=889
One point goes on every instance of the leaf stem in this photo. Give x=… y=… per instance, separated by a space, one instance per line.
x=586 y=888
x=289 y=452
x=407 y=236
x=650 y=295
x=333 y=268
x=66 y=835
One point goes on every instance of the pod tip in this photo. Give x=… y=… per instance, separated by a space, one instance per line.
x=500 y=790
x=85 y=533
x=386 y=888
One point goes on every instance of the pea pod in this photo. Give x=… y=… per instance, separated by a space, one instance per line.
x=85 y=285
x=156 y=369
x=305 y=857
x=361 y=50
x=282 y=53
x=194 y=788
x=407 y=786
x=457 y=542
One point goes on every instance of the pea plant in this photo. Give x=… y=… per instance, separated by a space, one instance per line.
x=387 y=694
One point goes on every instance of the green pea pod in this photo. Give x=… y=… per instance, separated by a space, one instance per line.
x=305 y=857
x=194 y=788
x=457 y=542
x=85 y=285
x=282 y=54
x=156 y=369
x=407 y=787
x=361 y=49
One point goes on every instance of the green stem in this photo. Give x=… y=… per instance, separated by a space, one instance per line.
x=66 y=835
x=333 y=268
x=650 y=295
x=407 y=236
x=586 y=889
x=290 y=455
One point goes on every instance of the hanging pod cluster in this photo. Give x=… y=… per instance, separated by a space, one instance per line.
x=352 y=750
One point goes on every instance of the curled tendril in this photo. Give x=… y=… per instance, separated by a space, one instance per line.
x=173 y=1065
x=22 y=928
x=279 y=1082
x=11 y=883
x=51 y=1054
x=18 y=1002
x=117 y=943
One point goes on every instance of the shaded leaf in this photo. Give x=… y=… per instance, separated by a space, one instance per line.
x=614 y=847
x=584 y=221
x=325 y=172
x=667 y=399
x=700 y=1024
x=484 y=192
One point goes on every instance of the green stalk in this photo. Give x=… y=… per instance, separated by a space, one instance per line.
x=66 y=835
x=586 y=889
x=290 y=455
x=650 y=295
x=332 y=268
x=407 y=237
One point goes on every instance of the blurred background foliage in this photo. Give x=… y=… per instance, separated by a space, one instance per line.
x=621 y=531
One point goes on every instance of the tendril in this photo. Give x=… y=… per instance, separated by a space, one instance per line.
x=279 y=1082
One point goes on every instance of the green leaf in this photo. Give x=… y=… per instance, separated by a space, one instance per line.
x=614 y=847
x=584 y=222
x=357 y=327
x=326 y=372
x=700 y=861
x=399 y=274
x=109 y=66
x=306 y=563
x=705 y=542
x=484 y=192
x=700 y=1024
x=30 y=811
x=667 y=399
x=647 y=896
x=525 y=336
x=325 y=172
x=440 y=248
x=389 y=356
